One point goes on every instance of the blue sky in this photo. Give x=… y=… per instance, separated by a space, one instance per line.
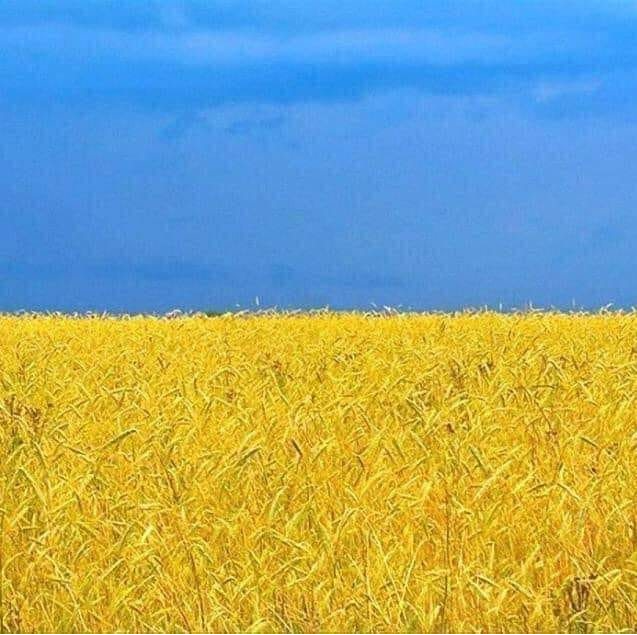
x=431 y=155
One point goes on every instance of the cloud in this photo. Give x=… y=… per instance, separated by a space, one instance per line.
x=182 y=125
x=291 y=16
x=546 y=91
x=250 y=126
x=236 y=49
x=192 y=55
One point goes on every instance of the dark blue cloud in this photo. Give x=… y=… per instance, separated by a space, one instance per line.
x=182 y=124
x=285 y=16
x=185 y=55
x=127 y=15
x=171 y=86
x=251 y=126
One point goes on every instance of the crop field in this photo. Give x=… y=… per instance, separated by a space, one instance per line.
x=319 y=472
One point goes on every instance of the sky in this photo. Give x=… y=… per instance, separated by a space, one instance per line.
x=223 y=154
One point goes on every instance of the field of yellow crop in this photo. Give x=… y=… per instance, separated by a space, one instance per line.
x=324 y=472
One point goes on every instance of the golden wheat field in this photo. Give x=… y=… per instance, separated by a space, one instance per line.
x=319 y=472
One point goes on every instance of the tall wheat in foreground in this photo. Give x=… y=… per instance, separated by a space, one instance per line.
x=319 y=473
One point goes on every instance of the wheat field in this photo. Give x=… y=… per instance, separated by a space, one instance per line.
x=319 y=472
